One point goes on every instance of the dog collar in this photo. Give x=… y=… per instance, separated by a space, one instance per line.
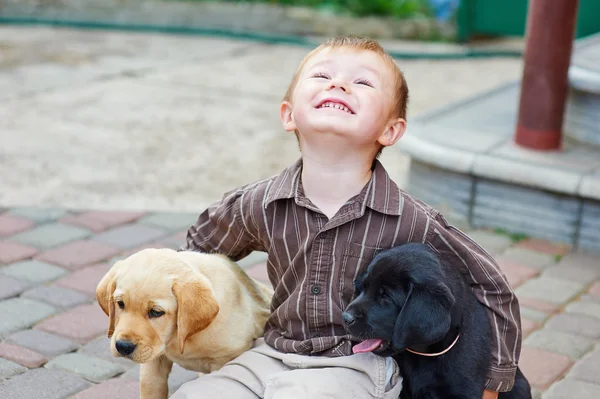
x=436 y=354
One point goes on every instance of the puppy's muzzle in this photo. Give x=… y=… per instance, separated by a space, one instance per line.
x=349 y=318
x=125 y=348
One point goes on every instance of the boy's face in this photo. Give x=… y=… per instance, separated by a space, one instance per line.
x=343 y=92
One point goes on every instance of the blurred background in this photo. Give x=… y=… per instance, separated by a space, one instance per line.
x=164 y=105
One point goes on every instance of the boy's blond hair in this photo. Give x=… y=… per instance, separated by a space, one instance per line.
x=361 y=44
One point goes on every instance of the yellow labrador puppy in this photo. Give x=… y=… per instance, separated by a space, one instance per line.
x=197 y=310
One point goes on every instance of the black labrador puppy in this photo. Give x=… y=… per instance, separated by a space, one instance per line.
x=411 y=305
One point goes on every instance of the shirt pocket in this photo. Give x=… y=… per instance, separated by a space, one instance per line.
x=355 y=260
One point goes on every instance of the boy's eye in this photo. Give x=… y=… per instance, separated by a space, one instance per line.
x=364 y=82
x=121 y=304
x=155 y=313
x=321 y=75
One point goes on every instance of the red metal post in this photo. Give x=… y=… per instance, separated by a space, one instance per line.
x=549 y=41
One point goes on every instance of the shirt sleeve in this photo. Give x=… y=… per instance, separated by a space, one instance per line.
x=221 y=229
x=490 y=286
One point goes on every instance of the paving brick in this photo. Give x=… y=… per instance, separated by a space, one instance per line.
x=88 y=367
x=580 y=258
x=174 y=241
x=179 y=376
x=98 y=221
x=549 y=290
x=21 y=355
x=62 y=298
x=100 y=348
x=130 y=236
x=571 y=345
x=133 y=373
x=79 y=253
x=9 y=369
x=588 y=368
x=528 y=326
x=42 y=384
x=595 y=289
x=492 y=242
x=527 y=257
x=80 y=324
x=575 y=324
x=259 y=272
x=547 y=247
x=10 y=225
x=21 y=313
x=254 y=258
x=589 y=298
x=541 y=367
x=170 y=221
x=572 y=389
x=587 y=308
x=113 y=388
x=10 y=287
x=516 y=273
x=13 y=252
x=33 y=270
x=85 y=280
x=47 y=344
x=538 y=305
x=50 y=235
x=579 y=274
x=533 y=314
x=39 y=215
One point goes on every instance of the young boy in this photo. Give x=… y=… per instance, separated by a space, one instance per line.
x=321 y=221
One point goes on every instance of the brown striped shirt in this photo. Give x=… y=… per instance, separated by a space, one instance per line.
x=313 y=260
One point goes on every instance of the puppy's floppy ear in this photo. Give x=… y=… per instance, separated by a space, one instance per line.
x=104 y=292
x=425 y=316
x=197 y=306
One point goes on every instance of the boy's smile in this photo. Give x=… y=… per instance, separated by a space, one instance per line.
x=335 y=104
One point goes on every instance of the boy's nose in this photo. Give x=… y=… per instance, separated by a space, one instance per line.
x=339 y=85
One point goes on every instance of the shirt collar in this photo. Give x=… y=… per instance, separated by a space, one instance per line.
x=380 y=193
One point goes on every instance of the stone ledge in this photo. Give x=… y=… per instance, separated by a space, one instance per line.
x=465 y=163
x=487 y=153
x=584 y=79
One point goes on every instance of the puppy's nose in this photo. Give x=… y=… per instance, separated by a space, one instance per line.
x=348 y=318
x=125 y=347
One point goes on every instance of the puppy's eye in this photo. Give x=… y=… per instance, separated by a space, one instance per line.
x=121 y=304
x=155 y=313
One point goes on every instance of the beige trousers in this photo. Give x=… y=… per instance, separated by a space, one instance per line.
x=263 y=372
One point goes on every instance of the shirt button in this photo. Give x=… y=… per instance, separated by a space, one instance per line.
x=323 y=235
x=315 y=289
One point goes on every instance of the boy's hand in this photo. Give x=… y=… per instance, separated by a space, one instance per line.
x=490 y=394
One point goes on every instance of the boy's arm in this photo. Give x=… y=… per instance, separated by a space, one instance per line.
x=491 y=288
x=222 y=229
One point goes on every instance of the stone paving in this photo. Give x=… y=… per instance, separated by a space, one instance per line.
x=53 y=333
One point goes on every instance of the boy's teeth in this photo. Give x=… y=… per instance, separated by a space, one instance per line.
x=336 y=106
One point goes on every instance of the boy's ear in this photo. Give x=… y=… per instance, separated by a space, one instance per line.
x=287 y=118
x=393 y=132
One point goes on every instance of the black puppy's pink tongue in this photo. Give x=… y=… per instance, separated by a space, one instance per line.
x=366 y=346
